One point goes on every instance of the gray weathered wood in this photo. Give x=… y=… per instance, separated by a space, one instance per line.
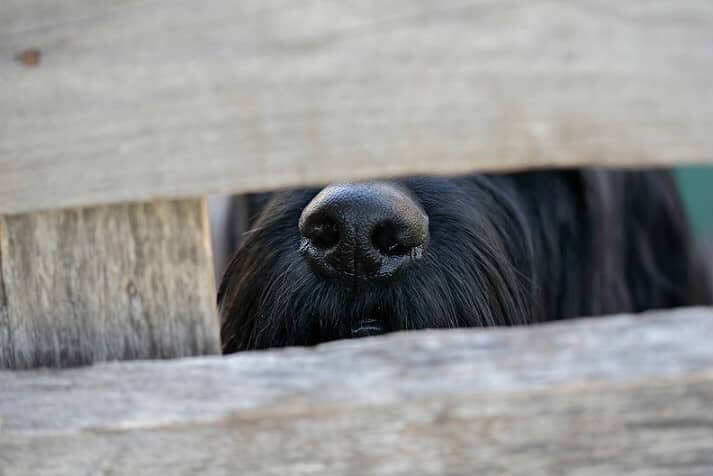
x=107 y=101
x=608 y=396
x=108 y=282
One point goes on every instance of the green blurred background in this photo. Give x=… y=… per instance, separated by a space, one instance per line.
x=696 y=184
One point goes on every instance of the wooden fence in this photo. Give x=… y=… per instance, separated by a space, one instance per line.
x=118 y=116
x=621 y=395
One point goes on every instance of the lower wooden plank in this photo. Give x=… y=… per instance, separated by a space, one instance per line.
x=110 y=282
x=618 y=395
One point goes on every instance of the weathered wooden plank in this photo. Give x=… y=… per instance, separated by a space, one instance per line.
x=619 y=395
x=110 y=282
x=104 y=101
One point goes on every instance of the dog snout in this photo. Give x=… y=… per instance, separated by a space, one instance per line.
x=366 y=231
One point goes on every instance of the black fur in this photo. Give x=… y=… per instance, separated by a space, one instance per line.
x=505 y=249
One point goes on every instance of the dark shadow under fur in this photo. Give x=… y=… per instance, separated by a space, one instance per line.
x=505 y=249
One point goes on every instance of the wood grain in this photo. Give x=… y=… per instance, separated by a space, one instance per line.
x=110 y=282
x=109 y=102
x=618 y=395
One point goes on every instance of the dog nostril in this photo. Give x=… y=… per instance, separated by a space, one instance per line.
x=324 y=234
x=384 y=238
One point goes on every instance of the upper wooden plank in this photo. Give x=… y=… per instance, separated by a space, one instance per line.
x=591 y=397
x=104 y=101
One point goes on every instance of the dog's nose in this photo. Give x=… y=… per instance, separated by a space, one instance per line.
x=365 y=231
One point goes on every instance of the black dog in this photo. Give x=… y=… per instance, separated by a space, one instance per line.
x=486 y=250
